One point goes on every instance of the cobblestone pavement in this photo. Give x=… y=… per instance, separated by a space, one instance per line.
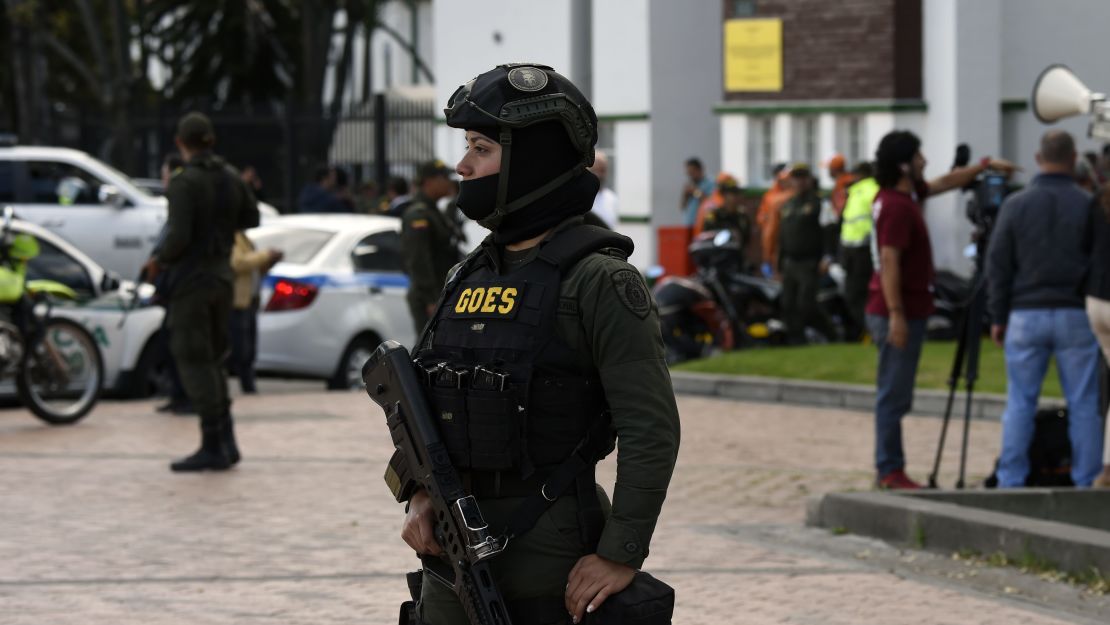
x=94 y=529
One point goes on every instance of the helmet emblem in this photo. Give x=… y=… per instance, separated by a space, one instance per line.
x=527 y=78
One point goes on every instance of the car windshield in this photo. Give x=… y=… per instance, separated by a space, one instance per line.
x=299 y=245
x=126 y=178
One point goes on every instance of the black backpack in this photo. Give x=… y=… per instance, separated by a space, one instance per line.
x=1049 y=453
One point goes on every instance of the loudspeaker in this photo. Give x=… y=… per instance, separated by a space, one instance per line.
x=1059 y=93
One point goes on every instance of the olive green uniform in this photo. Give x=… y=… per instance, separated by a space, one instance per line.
x=429 y=249
x=207 y=202
x=722 y=218
x=801 y=248
x=607 y=317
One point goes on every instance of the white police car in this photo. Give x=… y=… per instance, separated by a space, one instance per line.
x=123 y=334
x=338 y=292
x=91 y=204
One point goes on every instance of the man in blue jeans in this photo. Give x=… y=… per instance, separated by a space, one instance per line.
x=900 y=296
x=1035 y=270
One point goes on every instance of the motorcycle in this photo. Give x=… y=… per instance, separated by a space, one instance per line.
x=55 y=362
x=721 y=307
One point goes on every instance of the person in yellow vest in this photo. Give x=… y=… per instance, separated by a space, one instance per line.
x=855 y=246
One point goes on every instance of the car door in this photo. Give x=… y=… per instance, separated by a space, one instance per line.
x=377 y=264
x=63 y=198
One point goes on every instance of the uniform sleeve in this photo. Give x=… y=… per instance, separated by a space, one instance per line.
x=417 y=245
x=620 y=321
x=179 y=222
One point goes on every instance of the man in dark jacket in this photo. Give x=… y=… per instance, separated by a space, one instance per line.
x=1035 y=268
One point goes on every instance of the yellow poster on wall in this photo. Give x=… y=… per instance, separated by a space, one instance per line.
x=753 y=55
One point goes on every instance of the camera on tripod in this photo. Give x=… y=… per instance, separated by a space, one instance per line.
x=990 y=188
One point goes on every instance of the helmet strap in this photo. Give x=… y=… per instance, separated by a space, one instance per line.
x=506 y=140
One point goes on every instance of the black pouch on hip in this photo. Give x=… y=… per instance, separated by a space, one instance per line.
x=646 y=601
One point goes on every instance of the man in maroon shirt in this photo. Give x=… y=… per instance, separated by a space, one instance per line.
x=901 y=290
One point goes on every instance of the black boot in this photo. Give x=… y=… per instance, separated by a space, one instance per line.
x=210 y=457
x=229 y=442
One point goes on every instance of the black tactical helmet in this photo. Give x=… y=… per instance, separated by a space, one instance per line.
x=516 y=95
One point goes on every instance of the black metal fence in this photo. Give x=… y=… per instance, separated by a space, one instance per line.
x=388 y=136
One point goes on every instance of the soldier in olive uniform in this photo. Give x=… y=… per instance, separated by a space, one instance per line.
x=802 y=258
x=557 y=340
x=429 y=241
x=208 y=202
x=730 y=214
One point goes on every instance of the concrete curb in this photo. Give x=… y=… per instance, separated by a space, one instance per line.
x=828 y=394
x=930 y=523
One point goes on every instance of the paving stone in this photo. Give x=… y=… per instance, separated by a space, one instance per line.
x=94 y=528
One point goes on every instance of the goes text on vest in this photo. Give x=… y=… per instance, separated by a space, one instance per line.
x=487 y=301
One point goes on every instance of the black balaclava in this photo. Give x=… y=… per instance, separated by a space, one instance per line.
x=541 y=153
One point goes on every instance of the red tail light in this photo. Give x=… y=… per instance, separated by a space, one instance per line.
x=289 y=295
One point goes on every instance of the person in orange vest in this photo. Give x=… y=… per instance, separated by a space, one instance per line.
x=842 y=179
x=768 y=218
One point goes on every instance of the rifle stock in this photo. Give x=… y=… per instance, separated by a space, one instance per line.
x=392 y=383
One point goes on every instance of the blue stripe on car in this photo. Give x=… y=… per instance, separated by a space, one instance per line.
x=344 y=280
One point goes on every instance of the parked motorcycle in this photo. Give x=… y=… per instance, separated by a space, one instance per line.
x=722 y=306
x=56 y=363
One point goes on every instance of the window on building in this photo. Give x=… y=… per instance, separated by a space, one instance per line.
x=743 y=8
x=855 y=151
x=761 y=146
x=805 y=141
x=607 y=142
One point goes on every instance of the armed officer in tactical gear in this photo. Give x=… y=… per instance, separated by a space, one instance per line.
x=207 y=203
x=543 y=354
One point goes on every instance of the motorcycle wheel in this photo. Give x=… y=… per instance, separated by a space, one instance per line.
x=62 y=372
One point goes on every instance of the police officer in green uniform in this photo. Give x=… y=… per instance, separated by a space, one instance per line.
x=802 y=258
x=207 y=203
x=730 y=214
x=544 y=351
x=429 y=241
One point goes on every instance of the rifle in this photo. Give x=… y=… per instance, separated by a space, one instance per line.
x=392 y=383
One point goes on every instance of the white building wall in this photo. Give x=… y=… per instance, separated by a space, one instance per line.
x=621 y=83
x=475 y=36
x=1036 y=34
x=964 y=106
x=632 y=170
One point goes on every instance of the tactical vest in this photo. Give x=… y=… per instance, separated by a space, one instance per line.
x=509 y=395
x=856 y=227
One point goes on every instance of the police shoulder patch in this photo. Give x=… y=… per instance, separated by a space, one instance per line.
x=632 y=292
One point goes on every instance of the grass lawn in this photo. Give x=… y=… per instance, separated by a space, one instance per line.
x=855 y=364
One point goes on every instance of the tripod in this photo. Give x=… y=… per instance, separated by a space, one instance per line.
x=970 y=329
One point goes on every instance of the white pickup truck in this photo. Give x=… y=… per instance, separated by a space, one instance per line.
x=103 y=214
